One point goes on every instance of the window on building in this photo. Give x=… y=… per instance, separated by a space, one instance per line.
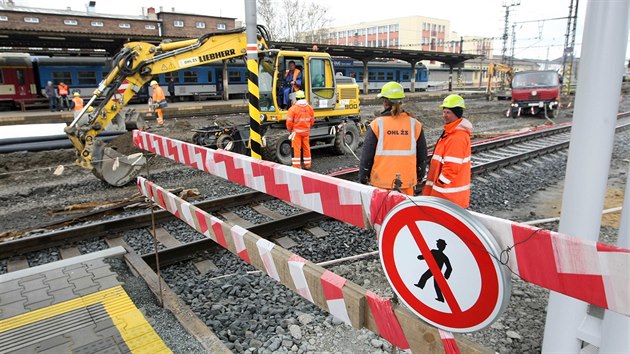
x=124 y=25
x=209 y=76
x=221 y=26
x=4 y=18
x=234 y=77
x=62 y=76
x=190 y=76
x=70 y=22
x=87 y=77
x=149 y=27
x=200 y=25
x=31 y=19
x=96 y=24
x=178 y=23
x=433 y=27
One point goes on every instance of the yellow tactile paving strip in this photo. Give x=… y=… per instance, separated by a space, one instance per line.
x=133 y=327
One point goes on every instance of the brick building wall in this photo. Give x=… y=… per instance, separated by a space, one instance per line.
x=181 y=25
x=38 y=21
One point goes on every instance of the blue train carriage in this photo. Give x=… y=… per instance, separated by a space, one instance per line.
x=380 y=73
x=205 y=81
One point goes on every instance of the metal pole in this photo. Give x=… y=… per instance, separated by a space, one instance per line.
x=450 y=77
x=590 y=150
x=616 y=326
x=365 y=77
x=226 y=88
x=255 y=139
x=413 y=76
x=513 y=45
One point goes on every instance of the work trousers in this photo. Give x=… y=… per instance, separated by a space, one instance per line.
x=301 y=149
x=160 y=116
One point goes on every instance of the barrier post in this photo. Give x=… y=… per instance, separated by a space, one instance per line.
x=590 y=151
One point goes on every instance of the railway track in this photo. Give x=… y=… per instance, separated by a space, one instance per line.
x=488 y=155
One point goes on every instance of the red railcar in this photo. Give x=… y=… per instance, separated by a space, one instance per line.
x=535 y=92
x=17 y=79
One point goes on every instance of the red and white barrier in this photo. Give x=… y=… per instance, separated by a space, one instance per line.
x=354 y=203
x=593 y=272
x=340 y=297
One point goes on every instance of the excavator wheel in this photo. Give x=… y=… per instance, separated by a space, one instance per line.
x=349 y=140
x=113 y=167
x=278 y=148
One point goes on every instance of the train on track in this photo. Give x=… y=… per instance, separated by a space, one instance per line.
x=23 y=77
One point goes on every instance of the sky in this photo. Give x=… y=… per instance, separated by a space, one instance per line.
x=535 y=40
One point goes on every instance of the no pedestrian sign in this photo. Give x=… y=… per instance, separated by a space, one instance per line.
x=443 y=264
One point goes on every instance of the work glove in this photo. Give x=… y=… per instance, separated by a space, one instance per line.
x=292 y=136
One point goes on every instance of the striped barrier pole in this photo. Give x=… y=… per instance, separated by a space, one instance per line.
x=593 y=272
x=253 y=94
x=350 y=303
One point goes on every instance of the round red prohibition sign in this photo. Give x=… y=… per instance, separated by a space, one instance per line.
x=442 y=263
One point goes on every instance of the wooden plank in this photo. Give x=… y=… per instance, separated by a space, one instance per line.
x=205 y=266
x=191 y=323
x=285 y=242
x=17 y=264
x=235 y=219
x=318 y=232
x=69 y=252
x=165 y=238
x=263 y=210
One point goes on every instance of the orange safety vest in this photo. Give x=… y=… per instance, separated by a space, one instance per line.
x=296 y=72
x=158 y=94
x=395 y=150
x=449 y=169
x=78 y=103
x=63 y=89
x=300 y=117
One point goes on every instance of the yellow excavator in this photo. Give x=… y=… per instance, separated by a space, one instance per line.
x=503 y=91
x=335 y=101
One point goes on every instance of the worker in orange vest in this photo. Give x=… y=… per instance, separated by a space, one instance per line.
x=292 y=82
x=64 y=103
x=395 y=149
x=159 y=102
x=300 y=119
x=450 y=167
x=77 y=102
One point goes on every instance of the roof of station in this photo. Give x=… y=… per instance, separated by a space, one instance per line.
x=371 y=53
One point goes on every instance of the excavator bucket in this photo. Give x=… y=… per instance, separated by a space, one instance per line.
x=113 y=167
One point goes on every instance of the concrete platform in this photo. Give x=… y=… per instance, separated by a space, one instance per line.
x=77 y=307
x=194 y=108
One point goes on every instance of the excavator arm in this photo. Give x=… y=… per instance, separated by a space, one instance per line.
x=133 y=66
x=496 y=68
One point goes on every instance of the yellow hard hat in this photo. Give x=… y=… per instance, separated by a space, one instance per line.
x=392 y=90
x=299 y=94
x=452 y=101
x=153 y=82
x=77 y=94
